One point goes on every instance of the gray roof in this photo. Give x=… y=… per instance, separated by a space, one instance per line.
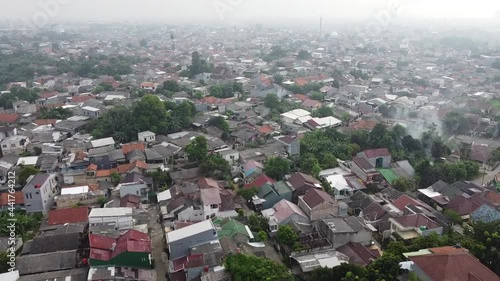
x=407 y=167
x=31 y=264
x=52 y=243
x=116 y=154
x=38 y=179
x=65 y=229
x=76 y=274
x=152 y=155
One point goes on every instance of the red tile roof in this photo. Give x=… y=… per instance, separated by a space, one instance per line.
x=92 y=167
x=204 y=183
x=101 y=247
x=260 y=181
x=9 y=117
x=362 y=163
x=379 y=152
x=46 y=95
x=69 y=215
x=18 y=198
x=405 y=200
x=315 y=197
x=126 y=148
x=81 y=98
x=416 y=220
x=265 y=129
x=301 y=97
x=454 y=266
x=358 y=254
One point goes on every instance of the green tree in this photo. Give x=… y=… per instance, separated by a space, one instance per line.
x=278 y=79
x=404 y=184
x=171 y=86
x=247 y=193
x=385 y=268
x=4 y=259
x=272 y=101
x=317 y=96
x=286 y=236
x=219 y=122
x=55 y=113
x=453 y=215
x=161 y=179
x=252 y=268
x=215 y=166
x=277 y=167
x=303 y=55
x=337 y=273
x=262 y=235
x=115 y=178
x=257 y=223
x=456 y=123
x=197 y=149
x=25 y=172
x=323 y=111
x=143 y=42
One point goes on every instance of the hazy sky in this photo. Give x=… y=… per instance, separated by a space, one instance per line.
x=234 y=10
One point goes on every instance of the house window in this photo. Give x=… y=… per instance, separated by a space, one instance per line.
x=36 y=192
x=137 y=192
x=27 y=196
x=214 y=206
x=4 y=146
x=379 y=163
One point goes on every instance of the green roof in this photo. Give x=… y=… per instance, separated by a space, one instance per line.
x=388 y=174
x=230 y=227
x=282 y=188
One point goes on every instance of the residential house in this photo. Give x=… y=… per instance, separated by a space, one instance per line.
x=47 y=262
x=317 y=204
x=5 y=169
x=9 y=201
x=341 y=189
x=364 y=170
x=282 y=213
x=341 y=231
x=92 y=112
x=59 y=217
x=53 y=243
x=251 y=170
x=378 y=158
x=149 y=86
x=39 y=193
x=304 y=263
x=414 y=225
x=6 y=132
x=14 y=144
x=291 y=144
x=450 y=264
x=131 y=249
x=180 y=241
x=271 y=193
x=146 y=136
x=358 y=254
x=9 y=119
x=104 y=219
x=486 y=213
x=262 y=86
x=300 y=183
x=259 y=181
x=134 y=188
x=233 y=229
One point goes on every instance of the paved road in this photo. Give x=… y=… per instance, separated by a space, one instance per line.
x=490 y=175
x=159 y=254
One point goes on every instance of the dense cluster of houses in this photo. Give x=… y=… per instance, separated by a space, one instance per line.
x=105 y=218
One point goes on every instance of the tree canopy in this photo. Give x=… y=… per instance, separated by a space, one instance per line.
x=252 y=268
x=277 y=167
x=148 y=114
x=197 y=149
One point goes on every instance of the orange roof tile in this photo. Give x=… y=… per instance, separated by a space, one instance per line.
x=139 y=164
x=41 y=122
x=92 y=167
x=104 y=173
x=18 y=198
x=265 y=129
x=82 y=98
x=300 y=81
x=126 y=148
x=9 y=118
